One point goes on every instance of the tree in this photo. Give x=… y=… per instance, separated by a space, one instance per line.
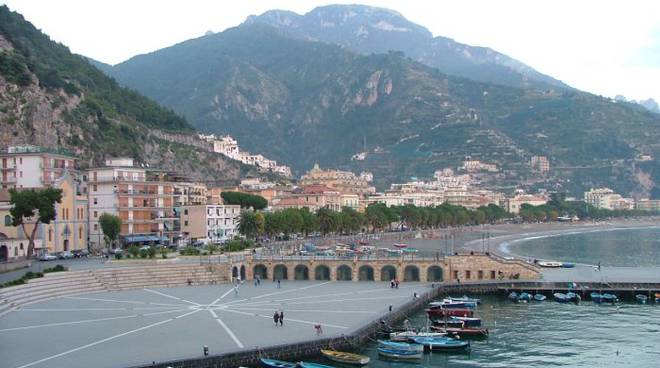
x=251 y=224
x=111 y=227
x=31 y=203
x=245 y=200
x=327 y=220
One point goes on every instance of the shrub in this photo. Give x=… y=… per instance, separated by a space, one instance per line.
x=151 y=252
x=144 y=253
x=134 y=251
x=189 y=251
x=119 y=256
x=163 y=252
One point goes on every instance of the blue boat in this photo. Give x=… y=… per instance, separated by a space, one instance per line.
x=524 y=297
x=453 y=304
x=393 y=345
x=573 y=297
x=400 y=354
x=513 y=296
x=272 y=363
x=596 y=297
x=467 y=321
x=568 y=265
x=442 y=343
x=313 y=365
x=610 y=298
x=539 y=297
x=465 y=298
x=641 y=298
x=561 y=298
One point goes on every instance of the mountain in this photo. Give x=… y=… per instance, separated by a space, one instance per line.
x=105 y=68
x=650 y=105
x=366 y=30
x=302 y=102
x=52 y=98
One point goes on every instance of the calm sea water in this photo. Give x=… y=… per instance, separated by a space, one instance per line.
x=552 y=334
x=629 y=247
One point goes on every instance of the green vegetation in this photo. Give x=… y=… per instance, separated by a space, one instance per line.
x=32 y=275
x=245 y=200
x=111 y=227
x=33 y=203
x=238 y=245
x=251 y=224
x=189 y=251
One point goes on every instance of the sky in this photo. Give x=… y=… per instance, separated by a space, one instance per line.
x=604 y=47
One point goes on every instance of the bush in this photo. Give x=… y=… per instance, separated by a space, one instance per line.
x=144 y=253
x=238 y=245
x=163 y=252
x=189 y=251
x=134 y=251
x=58 y=268
x=119 y=256
x=151 y=252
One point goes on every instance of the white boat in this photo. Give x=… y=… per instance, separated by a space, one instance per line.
x=550 y=264
x=407 y=335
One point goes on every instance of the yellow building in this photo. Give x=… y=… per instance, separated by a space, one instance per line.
x=341 y=181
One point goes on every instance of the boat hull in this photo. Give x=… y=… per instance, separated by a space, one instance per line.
x=399 y=354
x=404 y=346
x=442 y=344
x=470 y=333
x=345 y=358
x=539 y=297
x=272 y=363
x=442 y=312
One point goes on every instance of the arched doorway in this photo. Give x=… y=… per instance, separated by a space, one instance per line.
x=366 y=273
x=434 y=273
x=4 y=253
x=411 y=273
x=344 y=273
x=242 y=272
x=387 y=273
x=261 y=271
x=301 y=272
x=234 y=272
x=280 y=272
x=321 y=273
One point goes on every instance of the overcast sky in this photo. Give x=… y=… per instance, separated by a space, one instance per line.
x=604 y=47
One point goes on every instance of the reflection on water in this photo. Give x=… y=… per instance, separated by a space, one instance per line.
x=629 y=247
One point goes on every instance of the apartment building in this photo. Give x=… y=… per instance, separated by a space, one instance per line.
x=514 y=203
x=313 y=197
x=33 y=167
x=608 y=199
x=341 y=181
x=210 y=223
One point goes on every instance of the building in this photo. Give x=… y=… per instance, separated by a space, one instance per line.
x=606 y=198
x=142 y=198
x=341 y=181
x=33 y=167
x=228 y=146
x=68 y=231
x=189 y=194
x=514 y=203
x=540 y=164
x=210 y=223
x=473 y=166
x=13 y=243
x=647 y=204
x=313 y=196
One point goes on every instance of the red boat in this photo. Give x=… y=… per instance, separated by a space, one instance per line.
x=466 y=332
x=453 y=312
x=400 y=245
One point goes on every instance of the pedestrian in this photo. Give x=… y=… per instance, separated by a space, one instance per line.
x=255 y=282
x=396 y=283
x=236 y=290
x=276 y=318
x=318 y=328
x=598 y=265
x=392 y=284
x=281 y=318
x=279 y=284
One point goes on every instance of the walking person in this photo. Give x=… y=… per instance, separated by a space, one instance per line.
x=276 y=318
x=396 y=283
x=281 y=318
x=279 y=284
x=392 y=284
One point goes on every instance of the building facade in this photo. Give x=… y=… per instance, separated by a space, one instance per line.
x=341 y=181
x=33 y=167
x=210 y=223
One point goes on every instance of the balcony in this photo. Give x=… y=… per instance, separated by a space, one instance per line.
x=9 y=180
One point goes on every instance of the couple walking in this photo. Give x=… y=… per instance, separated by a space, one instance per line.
x=278 y=317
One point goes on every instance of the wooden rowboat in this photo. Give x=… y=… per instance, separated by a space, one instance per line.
x=346 y=358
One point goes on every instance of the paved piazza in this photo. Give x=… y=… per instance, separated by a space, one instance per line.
x=135 y=327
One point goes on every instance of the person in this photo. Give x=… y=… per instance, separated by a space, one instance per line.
x=279 y=284
x=318 y=329
x=396 y=283
x=281 y=318
x=276 y=318
x=392 y=284
x=236 y=290
x=598 y=265
x=258 y=280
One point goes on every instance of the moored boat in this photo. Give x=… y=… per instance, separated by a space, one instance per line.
x=573 y=297
x=550 y=264
x=394 y=345
x=657 y=297
x=610 y=298
x=513 y=296
x=442 y=343
x=539 y=297
x=464 y=332
x=272 y=363
x=445 y=312
x=399 y=354
x=407 y=335
x=346 y=358
x=313 y=365
x=400 y=245
x=641 y=298
x=464 y=298
x=568 y=265
x=449 y=303
x=596 y=297
x=524 y=297
x=561 y=298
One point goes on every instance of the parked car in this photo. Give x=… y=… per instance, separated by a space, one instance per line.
x=115 y=250
x=65 y=255
x=47 y=257
x=81 y=253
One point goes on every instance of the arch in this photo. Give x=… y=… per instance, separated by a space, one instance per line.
x=366 y=273
x=322 y=273
x=434 y=273
x=387 y=273
x=261 y=271
x=344 y=273
x=15 y=252
x=242 y=272
x=280 y=272
x=234 y=272
x=4 y=253
x=411 y=273
x=301 y=272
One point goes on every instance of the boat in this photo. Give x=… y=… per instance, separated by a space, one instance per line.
x=363 y=242
x=400 y=354
x=313 y=365
x=450 y=304
x=561 y=298
x=272 y=363
x=394 y=345
x=596 y=297
x=400 y=245
x=459 y=321
x=610 y=298
x=465 y=332
x=410 y=250
x=568 y=265
x=407 y=335
x=442 y=343
x=524 y=297
x=657 y=297
x=539 y=297
x=573 y=297
x=513 y=296
x=464 y=298
x=346 y=358
x=641 y=298
x=450 y=312
x=550 y=264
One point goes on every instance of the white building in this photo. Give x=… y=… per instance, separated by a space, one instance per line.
x=210 y=223
x=608 y=199
x=33 y=167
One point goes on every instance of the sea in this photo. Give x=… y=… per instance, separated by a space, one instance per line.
x=548 y=334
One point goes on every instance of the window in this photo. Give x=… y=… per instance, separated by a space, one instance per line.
x=96 y=227
x=185 y=212
x=20 y=174
x=21 y=246
x=7 y=220
x=185 y=223
x=20 y=160
x=480 y=274
x=96 y=214
x=15 y=252
x=95 y=187
x=80 y=232
x=492 y=275
x=50 y=234
x=96 y=201
x=468 y=274
x=455 y=275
